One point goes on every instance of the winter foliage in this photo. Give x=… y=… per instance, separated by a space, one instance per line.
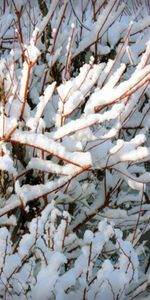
x=74 y=149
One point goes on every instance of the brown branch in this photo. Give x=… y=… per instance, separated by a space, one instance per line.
x=26 y=91
x=126 y=94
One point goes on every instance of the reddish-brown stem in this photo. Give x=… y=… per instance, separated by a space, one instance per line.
x=47 y=151
x=18 y=14
x=98 y=33
x=138 y=219
x=25 y=91
x=120 y=52
x=81 y=23
x=7 y=137
x=10 y=209
x=100 y=7
x=128 y=93
x=57 y=31
x=65 y=233
x=68 y=60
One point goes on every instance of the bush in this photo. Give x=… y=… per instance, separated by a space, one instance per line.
x=74 y=149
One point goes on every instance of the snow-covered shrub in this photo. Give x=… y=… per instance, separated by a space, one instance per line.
x=74 y=149
x=48 y=264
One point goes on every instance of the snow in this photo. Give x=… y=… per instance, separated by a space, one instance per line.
x=48 y=166
x=42 y=24
x=6 y=163
x=27 y=193
x=3 y=24
x=88 y=237
x=80 y=124
x=117 y=147
x=33 y=122
x=6 y=125
x=105 y=72
x=42 y=142
x=8 y=220
x=103 y=97
x=44 y=287
x=74 y=203
x=145 y=57
x=101 y=25
x=12 y=203
x=24 y=78
x=11 y=263
x=32 y=53
x=135 y=155
x=115 y=78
